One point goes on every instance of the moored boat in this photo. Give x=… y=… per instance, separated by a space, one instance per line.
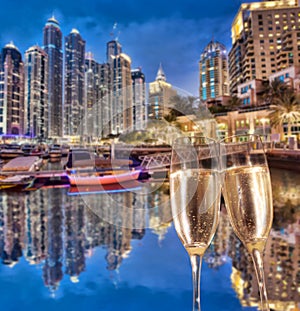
x=22 y=164
x=110 y=188
x=10 y=151
x=103 y=178
x=16 y=181
x=65 y=150
x=55 y=152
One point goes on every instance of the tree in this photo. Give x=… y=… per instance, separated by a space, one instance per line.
x=180 y=106
x=274 y=90
x=234 y=103
x=285 y=109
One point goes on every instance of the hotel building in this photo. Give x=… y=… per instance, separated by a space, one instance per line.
x=265 y=39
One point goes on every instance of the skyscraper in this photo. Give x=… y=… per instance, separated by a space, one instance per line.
x=97 y=98
x=74 y=83
x=139 y=99
x=53 y=47
x=213 y=72
x=160 y=93
x=121 y=98
x=11 y=91
x=265 y=39
x=36 y=92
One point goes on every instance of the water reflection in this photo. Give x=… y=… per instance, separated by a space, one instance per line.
x=60 y=232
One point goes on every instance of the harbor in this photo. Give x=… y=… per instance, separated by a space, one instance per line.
x=58 y=248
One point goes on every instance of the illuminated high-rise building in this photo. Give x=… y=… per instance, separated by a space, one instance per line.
x=121 y=88
x=36 y=92
x=213 y=72
x=11 y=91
x=53 y=47
x=74 y=83
x=139 y=99
x=265 y=39
x=97 y=98
x=160 y=93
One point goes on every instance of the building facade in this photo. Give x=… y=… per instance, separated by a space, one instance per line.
x=265 y=39
x=97 y=98
x=53 y=47
x=11 y=91
x=121 y=119
x=160 y=93
x=213 y=70
x=138 y=99
x=74 y=84
x=36 y=92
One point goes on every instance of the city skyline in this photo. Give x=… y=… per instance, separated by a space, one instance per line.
x=149 y=33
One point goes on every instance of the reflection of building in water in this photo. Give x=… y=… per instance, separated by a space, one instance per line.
x=217 y=253
x=112 y=221
x=52 y=270
x=12 y=228
x=59 y=230
x=36 y=241
x=160 y=214
x=281 y=265
x=282 y=270
x=287 y=187
x=74 y=238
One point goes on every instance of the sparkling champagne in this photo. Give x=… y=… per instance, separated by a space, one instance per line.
x=195 y=196
x=248 y=198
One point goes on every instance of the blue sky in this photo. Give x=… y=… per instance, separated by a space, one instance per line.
x=173 y=33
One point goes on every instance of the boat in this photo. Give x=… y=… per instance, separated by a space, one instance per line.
x=27 y=148
x=65 y=150
x=100 y=189
x=55 y=152
x=22 y=164
x=37 y=151
x=10 y=151
x=49 y=181
x=104 y=178
x=79 y=160
x=82 y=171
x=16 y=181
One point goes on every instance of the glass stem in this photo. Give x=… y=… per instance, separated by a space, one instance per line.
x=259 y=269
x=196 y=262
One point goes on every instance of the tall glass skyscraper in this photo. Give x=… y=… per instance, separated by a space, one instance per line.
x=53 y=47
x=213 y=72
x=36 y=92
x=11 y=91
x=121 y=99
x=74 y=84
x=139 y=99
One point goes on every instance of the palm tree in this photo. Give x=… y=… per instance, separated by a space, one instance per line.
x=234 y=103
x=285 y=109
x=274 y=90
x=180 y=106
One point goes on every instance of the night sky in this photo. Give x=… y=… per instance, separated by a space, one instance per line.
x=173 y=33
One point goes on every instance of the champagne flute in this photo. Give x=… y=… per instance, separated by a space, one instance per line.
x=248 y=198
x=195 y=191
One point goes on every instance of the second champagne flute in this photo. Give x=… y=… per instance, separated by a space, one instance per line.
x=195 y=192
x=248 y=198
